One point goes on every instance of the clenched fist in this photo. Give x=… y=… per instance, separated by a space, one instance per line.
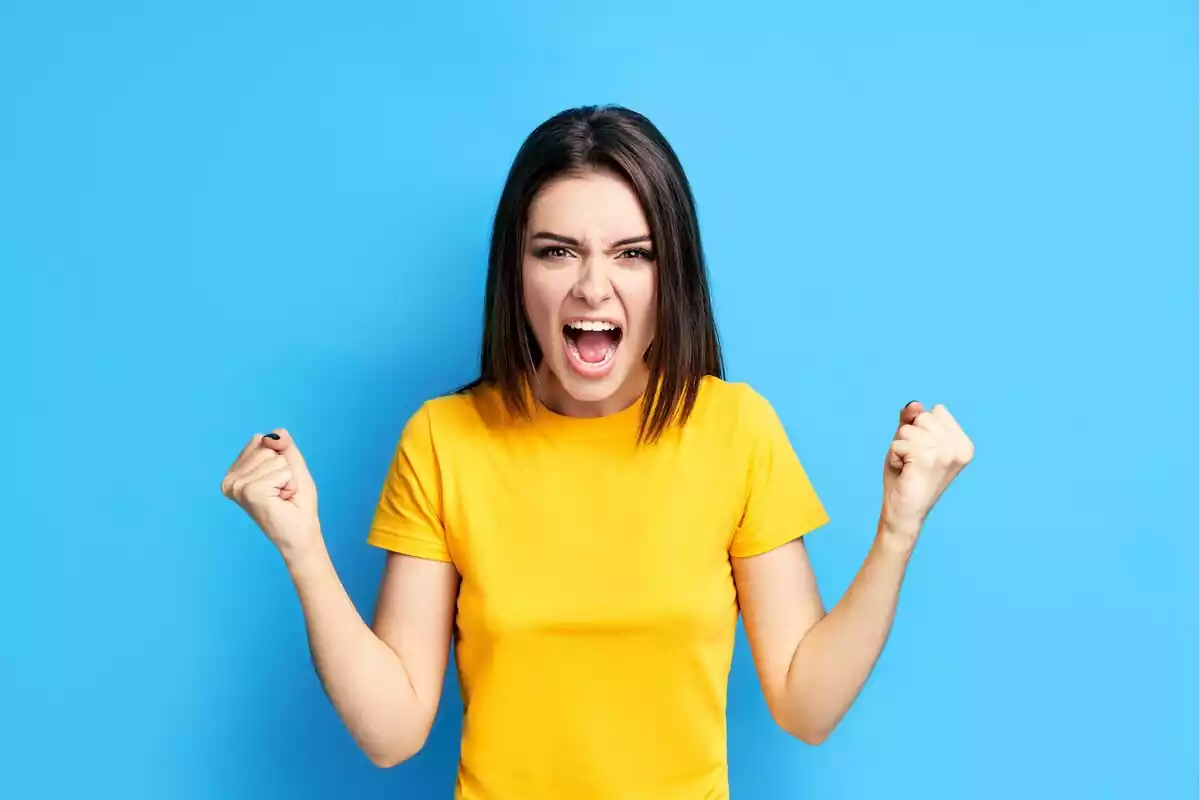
x=928 y=451
x=271 y=482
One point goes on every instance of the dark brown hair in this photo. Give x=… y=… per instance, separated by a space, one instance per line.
x=685 y=347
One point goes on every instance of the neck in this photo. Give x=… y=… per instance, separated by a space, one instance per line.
x=552 y=395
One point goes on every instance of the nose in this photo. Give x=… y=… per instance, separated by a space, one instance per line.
x=593 y=285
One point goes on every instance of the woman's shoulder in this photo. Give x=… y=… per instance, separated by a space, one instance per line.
x=474 y=406
x=734 y=412
x=471 y=417
x=730 y=401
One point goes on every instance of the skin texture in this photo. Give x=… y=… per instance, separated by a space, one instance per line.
x=385 y=679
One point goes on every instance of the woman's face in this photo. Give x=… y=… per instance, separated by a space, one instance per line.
x=590 y=282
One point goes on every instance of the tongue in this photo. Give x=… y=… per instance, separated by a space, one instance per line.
x=593 y=345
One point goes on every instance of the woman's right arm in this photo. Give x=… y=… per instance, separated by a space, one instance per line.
x=385 y=681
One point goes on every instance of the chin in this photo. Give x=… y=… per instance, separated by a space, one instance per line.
x=588 y=395
x=590 y=390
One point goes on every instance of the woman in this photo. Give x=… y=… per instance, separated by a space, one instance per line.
x=588 y=517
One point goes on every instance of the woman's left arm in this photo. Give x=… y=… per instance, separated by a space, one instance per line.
x=812 y=665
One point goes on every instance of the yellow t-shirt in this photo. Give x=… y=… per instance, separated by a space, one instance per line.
x=597 y=609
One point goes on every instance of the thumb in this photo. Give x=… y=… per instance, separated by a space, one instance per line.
x=281 y=441
x=909 y=413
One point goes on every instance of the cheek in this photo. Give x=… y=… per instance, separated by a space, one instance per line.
x=641 y=303
x=542 y=299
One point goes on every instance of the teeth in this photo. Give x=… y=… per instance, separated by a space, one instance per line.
x=591 y=325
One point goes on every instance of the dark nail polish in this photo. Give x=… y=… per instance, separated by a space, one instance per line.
x=271 y=436
x=909 y=403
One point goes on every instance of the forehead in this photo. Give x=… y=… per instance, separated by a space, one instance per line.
x=597 y=203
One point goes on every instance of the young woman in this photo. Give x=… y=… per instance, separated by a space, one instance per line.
x=589 y=516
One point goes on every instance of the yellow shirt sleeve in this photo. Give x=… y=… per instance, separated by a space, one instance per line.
x=781 y=503
x=408 y=517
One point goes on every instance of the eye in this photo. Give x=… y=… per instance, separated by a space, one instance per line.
x=637 y=253
x=553 y=252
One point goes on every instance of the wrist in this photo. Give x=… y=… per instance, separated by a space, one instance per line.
x=898 y=539
x=301 y=556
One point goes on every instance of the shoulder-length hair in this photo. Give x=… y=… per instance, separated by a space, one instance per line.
x=685 y=347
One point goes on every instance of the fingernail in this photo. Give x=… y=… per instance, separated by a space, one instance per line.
x=906 y=405
x=271 y=436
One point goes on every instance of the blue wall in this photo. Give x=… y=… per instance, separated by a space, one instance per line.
x=224 y=217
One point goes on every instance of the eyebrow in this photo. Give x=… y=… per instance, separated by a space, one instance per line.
x=556 y=237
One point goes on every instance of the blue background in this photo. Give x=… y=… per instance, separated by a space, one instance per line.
x=221 y=217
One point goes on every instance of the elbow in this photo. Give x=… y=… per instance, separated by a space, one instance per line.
x=809 y=731
x=389 y=759
x=386 y=759
x=396 y=737
x=811 y=736
x=395 y=753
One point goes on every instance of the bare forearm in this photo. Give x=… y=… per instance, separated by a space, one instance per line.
x=364 y=678
x=832 y=661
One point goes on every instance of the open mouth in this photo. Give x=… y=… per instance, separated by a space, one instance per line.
x=591 y=344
